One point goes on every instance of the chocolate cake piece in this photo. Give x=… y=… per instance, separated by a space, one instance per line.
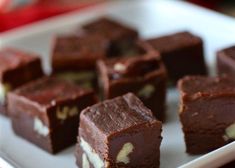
x=182 y=54
x=16 y=68
x=226 y=61
x=207 y=112
x=120 y=132
x=143 y=74
x=46 y=112
x=121 y=37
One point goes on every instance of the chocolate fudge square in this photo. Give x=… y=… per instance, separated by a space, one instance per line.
x=74 y=57
x=120 y=132
x=226 y=61
x=182 y=54
x=16 y=68
x=46 y=112
x=121 y=37
x=207 y=112
x=78 y=52
x=143 y=74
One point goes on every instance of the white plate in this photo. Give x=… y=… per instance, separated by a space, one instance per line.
x=151 y=18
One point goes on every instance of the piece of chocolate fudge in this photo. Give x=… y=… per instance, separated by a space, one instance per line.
x=74 y=57
x=182 y=54
x=120 y=132
x=207 y=112
x=16 y=68
x=73 y=52
x=46 y=112
x=226 y=61
x=121 y=37
x=143 y=74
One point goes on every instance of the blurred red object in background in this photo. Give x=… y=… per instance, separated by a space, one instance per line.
x=4 y=4
x=37 y=10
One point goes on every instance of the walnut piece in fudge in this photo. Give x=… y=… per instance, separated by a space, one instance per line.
x=120 y=132
x=182 y=54
x=226 y=61
x=46 y=112
x=16 y=68
x=143 y=74
x=121 y=37
x=207 y=112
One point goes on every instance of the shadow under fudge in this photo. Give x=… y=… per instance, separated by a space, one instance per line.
x=46 y=112
x=142 y=73
x=115 y=138
x=207 y=112
x=17 y=67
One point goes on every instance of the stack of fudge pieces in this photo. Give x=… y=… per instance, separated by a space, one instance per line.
x=104 y=63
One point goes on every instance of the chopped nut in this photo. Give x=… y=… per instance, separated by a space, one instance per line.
x=124 y=152
x=85 y=162
x=40 y=128
x=87 y=85
x=77 y=76
x=4 y=88
x=106 y=163
x=73 y=111
x=230 y=132
x=93 y=157
x=66 y=112
x=146 y=91
x=119 y=67
x=61 y=114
